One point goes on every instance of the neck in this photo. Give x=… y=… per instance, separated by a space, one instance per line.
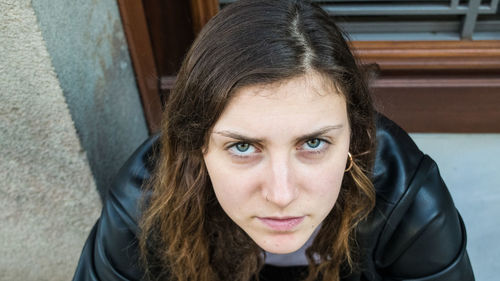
x=297 y=258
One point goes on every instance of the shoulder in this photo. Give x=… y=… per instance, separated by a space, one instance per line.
x=414 y=230
x=397 y=159
x=110 y=252
x=126 y=191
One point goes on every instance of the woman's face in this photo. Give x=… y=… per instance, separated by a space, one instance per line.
x=276 y=158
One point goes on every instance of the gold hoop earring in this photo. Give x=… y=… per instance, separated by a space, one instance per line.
x=351 y=162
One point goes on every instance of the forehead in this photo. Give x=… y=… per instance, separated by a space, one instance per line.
x=308 y=83
x=307 y=99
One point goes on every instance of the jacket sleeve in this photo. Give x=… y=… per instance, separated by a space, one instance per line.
x=111 y=250
x=426 y=238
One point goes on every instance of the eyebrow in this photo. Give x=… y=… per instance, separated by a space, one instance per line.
x=238 y=136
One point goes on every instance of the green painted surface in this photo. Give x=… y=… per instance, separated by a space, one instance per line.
x=88 y=49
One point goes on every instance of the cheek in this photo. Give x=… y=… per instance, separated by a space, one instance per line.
x=232 y=188
x=324 y=184
x=329 y=184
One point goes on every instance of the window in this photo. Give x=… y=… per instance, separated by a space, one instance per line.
x=415 y=20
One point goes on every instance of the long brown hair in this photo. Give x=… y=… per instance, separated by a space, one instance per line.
x=185 y=234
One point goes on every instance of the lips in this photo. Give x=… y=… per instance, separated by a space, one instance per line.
x=281 y=224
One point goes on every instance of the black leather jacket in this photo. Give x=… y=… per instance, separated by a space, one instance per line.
x=414 y=232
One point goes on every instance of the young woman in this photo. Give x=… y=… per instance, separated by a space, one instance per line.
x=272 y=165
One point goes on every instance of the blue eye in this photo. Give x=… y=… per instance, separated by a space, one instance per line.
x=242 y=149
x=314 y=145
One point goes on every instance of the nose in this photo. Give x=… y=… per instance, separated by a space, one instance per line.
x=280 y=188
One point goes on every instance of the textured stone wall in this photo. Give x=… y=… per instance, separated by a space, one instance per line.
x=48 y=199
x=70 y=115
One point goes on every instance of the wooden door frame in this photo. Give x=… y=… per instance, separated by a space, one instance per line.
x=141 y=53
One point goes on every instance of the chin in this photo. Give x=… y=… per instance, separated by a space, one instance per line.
x=282 y=243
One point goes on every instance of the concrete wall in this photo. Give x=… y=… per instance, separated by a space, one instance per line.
x=89 y=52
x=70 y=115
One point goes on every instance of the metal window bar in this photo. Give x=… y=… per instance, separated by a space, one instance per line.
x=427 y=18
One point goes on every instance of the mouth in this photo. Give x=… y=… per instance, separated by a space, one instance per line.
x=281 y=224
